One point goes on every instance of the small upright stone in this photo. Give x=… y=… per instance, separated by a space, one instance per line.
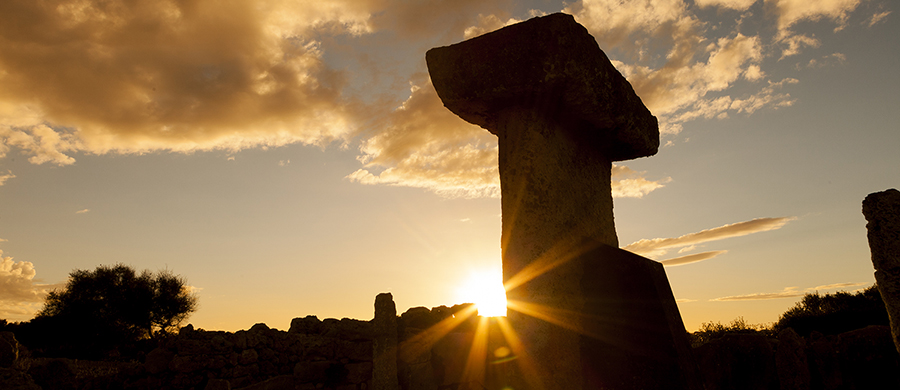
x=882 y=211
x=384 y=360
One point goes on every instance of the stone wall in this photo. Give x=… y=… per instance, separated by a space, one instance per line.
x=312 y=354
x=439 y=349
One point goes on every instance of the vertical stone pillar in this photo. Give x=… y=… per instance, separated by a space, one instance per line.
x=882 y=211
x=545 y=222
x=588 y=315
x=384 y=359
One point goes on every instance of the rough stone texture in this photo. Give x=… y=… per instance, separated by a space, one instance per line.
x=384 y=362
x=791 y=362
x=631 y=323
x=858 y=359
x=738 y=361
x=217 y=384
x=550 y=64
x=562 y=114
x=882 y=211
x=54 y=374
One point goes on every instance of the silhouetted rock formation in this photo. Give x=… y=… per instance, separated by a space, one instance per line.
x=562 y=114
x=790 y=358
x=384 y=376
x=442 y=348
x=882 y=211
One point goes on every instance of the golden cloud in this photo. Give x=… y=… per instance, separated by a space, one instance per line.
x=133 y=77
x=656 y=247
x=788 y=292
x=20 y=295
x=687 y=259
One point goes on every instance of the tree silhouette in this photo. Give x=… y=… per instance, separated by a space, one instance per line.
x=834 y=313
x=113 y=307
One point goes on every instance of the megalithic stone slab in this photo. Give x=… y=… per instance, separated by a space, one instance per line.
x=632 y=325
x=562 y=113
x=882 y=211
x=550 y=64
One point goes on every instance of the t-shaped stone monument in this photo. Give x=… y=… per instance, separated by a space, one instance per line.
x=589 y=314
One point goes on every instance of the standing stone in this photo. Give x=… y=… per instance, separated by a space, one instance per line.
x=882 y=211
x=384 y=359
x=791 y=362
x=562 y=114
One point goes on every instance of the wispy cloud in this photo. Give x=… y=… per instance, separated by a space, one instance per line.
x=878 y=18
x=687 y=259
x=6 y=176
x=82 y=211
x=628 y=183
x=791 y=12
x=739 y=5
x=788 y=292
x=656 y=247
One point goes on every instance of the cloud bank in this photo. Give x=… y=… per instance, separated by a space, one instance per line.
x=86 y=76
x=20 y=295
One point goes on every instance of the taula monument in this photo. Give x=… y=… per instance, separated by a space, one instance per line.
x=588 y=315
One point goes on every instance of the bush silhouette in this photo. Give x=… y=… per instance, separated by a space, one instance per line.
x=107 y=312
x=713 y=330
x=834 y=313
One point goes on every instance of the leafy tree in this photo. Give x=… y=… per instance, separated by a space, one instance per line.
x=834 y=313
x=713 y=330
x=110 y=308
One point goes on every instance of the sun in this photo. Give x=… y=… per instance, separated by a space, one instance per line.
x=484 y=288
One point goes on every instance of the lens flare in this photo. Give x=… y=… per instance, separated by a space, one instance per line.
x=485 y=290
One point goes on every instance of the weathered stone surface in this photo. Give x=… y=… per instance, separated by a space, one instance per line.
x=384 y=361
x=882 y=211
x=738 y=361
x=418 y=318
x=158 y=360
x=550 y=64
x=217 y=384
x=307 y=325
x=53 y=374
x=631 y=333
x=791 y=362
x=281 y=382
x=867 y=360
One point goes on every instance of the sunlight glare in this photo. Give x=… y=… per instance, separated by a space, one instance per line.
x=485 y=290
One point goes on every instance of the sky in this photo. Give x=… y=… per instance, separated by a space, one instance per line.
x=291 y=158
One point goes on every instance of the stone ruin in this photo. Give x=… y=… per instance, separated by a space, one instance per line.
x=589 y=315
x=882 y=211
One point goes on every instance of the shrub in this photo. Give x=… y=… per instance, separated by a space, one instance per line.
x=834 y=313
x=713 y=330
x=110 y=311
